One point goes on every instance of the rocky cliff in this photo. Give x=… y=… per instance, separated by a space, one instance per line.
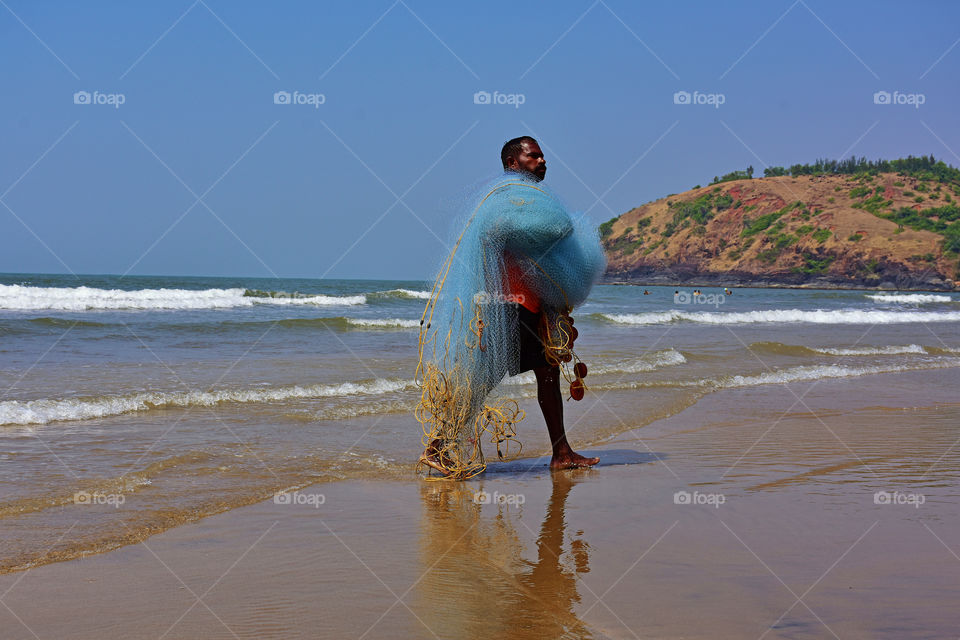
x=881 y=230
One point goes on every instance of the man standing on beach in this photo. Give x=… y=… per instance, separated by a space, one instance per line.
x=549 y=264
x=523 y=155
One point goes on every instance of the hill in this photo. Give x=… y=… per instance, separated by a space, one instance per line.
x=869 y=229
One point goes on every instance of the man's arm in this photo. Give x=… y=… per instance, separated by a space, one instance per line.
x=530 y=221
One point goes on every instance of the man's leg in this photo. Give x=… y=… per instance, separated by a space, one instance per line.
x=551 y=403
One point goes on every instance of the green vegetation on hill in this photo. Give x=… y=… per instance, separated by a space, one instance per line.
x=813 y=264
x=698 y=211
x=606 y=228
x=734 y=175
x=943 y=220
x=821 y=235
x=627 y=242
x=753 y=226
x=934 y=219
x=924 y=167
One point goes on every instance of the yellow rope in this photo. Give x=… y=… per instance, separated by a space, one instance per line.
x=444 y=407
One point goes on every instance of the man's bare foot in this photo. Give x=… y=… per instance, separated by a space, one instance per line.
x=432 y=460
x=571 y=460
x=436 y=458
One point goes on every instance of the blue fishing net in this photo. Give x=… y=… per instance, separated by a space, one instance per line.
x=518 y=245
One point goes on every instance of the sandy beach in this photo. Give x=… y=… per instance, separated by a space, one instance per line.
x=837 y=518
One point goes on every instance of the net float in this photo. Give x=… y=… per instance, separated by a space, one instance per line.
x=577 y=390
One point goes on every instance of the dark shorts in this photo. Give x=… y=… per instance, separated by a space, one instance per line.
x=531 y=346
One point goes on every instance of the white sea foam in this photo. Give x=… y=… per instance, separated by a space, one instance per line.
x=783 y=376
x=15 y=412
x=407 y=293
x=819 y=372
x=386 y=323
x=319 y=300
x=910 y=298
x=356 y=410
x=648 y=362
x=819 y=316
x=890 y=350
x=18 y=297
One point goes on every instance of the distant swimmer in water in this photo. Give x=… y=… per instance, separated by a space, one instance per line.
x=645 y=292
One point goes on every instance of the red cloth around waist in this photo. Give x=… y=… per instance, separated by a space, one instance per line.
x=516 y=286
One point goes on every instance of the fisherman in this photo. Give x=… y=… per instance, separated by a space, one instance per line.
x=524 y=166
x=524 y=156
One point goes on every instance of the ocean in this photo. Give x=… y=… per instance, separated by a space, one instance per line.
x=131 y=405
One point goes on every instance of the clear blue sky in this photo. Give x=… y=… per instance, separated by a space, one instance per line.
x=298 y=189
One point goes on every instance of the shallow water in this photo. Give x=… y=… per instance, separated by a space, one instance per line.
x=133 y=405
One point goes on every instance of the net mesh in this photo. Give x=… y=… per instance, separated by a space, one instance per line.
x=518 y=245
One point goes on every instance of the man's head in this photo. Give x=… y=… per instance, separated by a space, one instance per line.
x=523 y=155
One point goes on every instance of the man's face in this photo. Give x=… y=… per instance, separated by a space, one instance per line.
x=530 y=161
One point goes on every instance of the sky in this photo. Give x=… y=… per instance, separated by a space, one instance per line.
x=335 y=139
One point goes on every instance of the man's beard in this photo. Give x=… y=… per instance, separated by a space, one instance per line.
x=530 y=175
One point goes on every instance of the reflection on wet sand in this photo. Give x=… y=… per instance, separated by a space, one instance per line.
x=476 y=579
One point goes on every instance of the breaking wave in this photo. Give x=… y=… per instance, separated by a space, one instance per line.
x=649 y=362
x=800 y=350
x=384 y=323
x=891 y=350
x=836 y=316
x=406 y=294
x=820 y=372
x=806 y=373
x=16 y=412
x=26 y=298
x=909 y=298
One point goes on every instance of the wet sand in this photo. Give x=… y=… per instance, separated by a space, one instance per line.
x=778 y=531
